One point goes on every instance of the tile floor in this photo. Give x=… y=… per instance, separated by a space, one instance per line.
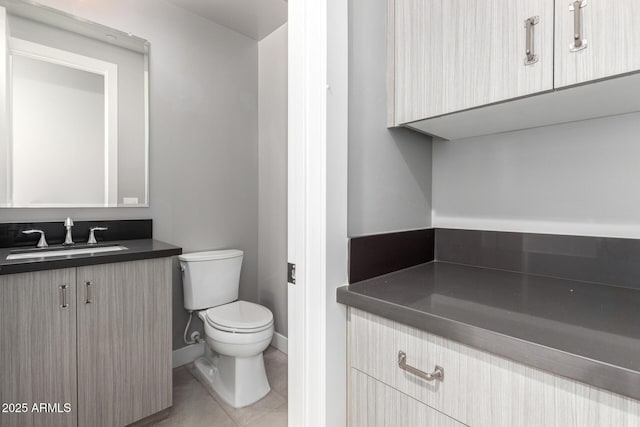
x=194 y=405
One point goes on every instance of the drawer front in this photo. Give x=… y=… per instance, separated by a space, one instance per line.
x=479 y=389
x=374 y=404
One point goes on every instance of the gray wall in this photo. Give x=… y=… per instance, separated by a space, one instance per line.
x=204 y=135
x=272 y=149
x=389 y=170
x=576 y=178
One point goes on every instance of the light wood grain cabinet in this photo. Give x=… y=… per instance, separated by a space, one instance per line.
x=478 y=389
x=97 y=338
x=376 y=404
x=611 y=33
x=462 y=68
x=451 y=55
x=38 y=348
x=124 y=341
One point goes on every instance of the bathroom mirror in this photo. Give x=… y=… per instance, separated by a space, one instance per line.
x=73 y=111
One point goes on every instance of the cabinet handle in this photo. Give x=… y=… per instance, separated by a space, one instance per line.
x=578 y=42
x=531 y=57
x=88 y=295
x=63 y=296
x=437 y=374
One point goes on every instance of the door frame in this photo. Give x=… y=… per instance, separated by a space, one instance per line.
x=317 y=211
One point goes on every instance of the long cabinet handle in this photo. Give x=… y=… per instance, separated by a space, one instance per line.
x=63 y=296
x=437 y=374
x=531 y=57
x=88 y=294
x=578 y=42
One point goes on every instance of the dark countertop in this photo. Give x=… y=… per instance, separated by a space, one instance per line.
x=136 y=250
x=580 y=330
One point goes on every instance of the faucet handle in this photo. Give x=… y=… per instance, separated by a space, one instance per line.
x=42 y=243
x=92 y=237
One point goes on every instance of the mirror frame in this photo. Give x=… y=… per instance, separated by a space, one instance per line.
x=65 y=21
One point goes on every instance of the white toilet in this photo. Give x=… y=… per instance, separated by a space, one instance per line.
x=236 y=332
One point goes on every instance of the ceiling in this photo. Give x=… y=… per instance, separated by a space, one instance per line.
x=253 y=18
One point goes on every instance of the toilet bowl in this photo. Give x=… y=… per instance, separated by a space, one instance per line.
x=236 y=332
x=233 y=364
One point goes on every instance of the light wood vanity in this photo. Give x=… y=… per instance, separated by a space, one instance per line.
x=95 y=337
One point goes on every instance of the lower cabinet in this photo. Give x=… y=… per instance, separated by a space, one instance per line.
x=477 y=388
x=92 y=344
x=38 y=349
x=124 y=341
x=375 y=404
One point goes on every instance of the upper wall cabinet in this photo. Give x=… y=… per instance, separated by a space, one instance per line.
x=462 y=68
x=608 y=40
x=460 y=54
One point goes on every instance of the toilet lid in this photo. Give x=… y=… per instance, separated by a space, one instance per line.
x=240 y=316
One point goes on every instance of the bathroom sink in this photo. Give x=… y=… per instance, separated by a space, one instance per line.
x=62 y=251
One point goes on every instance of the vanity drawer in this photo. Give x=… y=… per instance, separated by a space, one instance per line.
x=479 y=389
x=375 y=404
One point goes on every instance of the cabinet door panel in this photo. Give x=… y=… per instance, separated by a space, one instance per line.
x=452 y=55
x=38 y=347
x=124 y=341
x=611 y=29
x=378 y=405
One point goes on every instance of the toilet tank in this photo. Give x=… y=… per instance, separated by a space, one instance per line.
x=210 y=278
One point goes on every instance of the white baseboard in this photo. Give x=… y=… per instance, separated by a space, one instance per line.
x=280 y=342
x=188 y=354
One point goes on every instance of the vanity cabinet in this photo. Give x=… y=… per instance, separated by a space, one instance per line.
x=461 y=68
x=38 y=348
x=124 y=341
x=477 y=388
x=97 y=337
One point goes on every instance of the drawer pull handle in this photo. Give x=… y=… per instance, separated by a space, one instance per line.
x=437 y=374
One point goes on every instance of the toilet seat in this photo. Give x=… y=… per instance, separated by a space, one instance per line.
x=240 y=317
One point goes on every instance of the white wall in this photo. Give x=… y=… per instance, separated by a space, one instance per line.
x=272 y=165
x=389 y=170
x=204 y=135
x=576 y=178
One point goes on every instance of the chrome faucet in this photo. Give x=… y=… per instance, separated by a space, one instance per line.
x=92 y=237
x=68 y=224
x=42 y=243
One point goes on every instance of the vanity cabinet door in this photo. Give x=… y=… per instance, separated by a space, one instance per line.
x=611 y=33
x=452 y=55
x=38 y=349
x=124 y=341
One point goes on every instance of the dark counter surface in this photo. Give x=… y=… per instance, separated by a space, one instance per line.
x=584 y=331
x=136 y=250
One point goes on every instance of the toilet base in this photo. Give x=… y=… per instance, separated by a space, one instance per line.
x=239 y=381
